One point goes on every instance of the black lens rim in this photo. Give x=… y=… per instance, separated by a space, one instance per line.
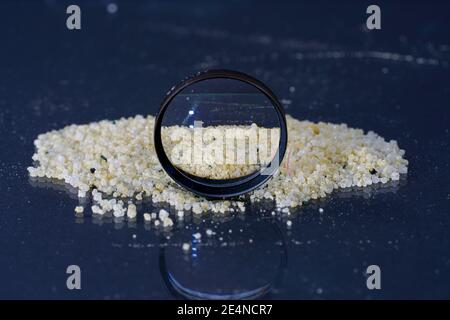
x=211 y=188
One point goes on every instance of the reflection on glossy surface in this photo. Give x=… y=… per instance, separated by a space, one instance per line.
x=364 y=192
x=55 y=185
x=219 y=267
x=245 y=256
x=369 y=191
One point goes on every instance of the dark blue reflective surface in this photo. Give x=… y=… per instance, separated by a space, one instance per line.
x=321 y=63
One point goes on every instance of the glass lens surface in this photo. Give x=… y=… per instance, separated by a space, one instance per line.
x=221 y=129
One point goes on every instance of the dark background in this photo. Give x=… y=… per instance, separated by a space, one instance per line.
x=394 y=81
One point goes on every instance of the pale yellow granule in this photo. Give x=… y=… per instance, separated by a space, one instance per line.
x=79 y=209
x=131 y=211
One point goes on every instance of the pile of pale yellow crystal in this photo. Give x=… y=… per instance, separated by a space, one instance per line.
x=117 y=160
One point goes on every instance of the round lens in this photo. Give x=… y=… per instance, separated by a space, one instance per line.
x=220 y=130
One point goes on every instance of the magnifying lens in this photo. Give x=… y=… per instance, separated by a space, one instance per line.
x=220 y=133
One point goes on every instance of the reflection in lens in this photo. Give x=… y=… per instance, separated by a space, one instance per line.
x=220 y=129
